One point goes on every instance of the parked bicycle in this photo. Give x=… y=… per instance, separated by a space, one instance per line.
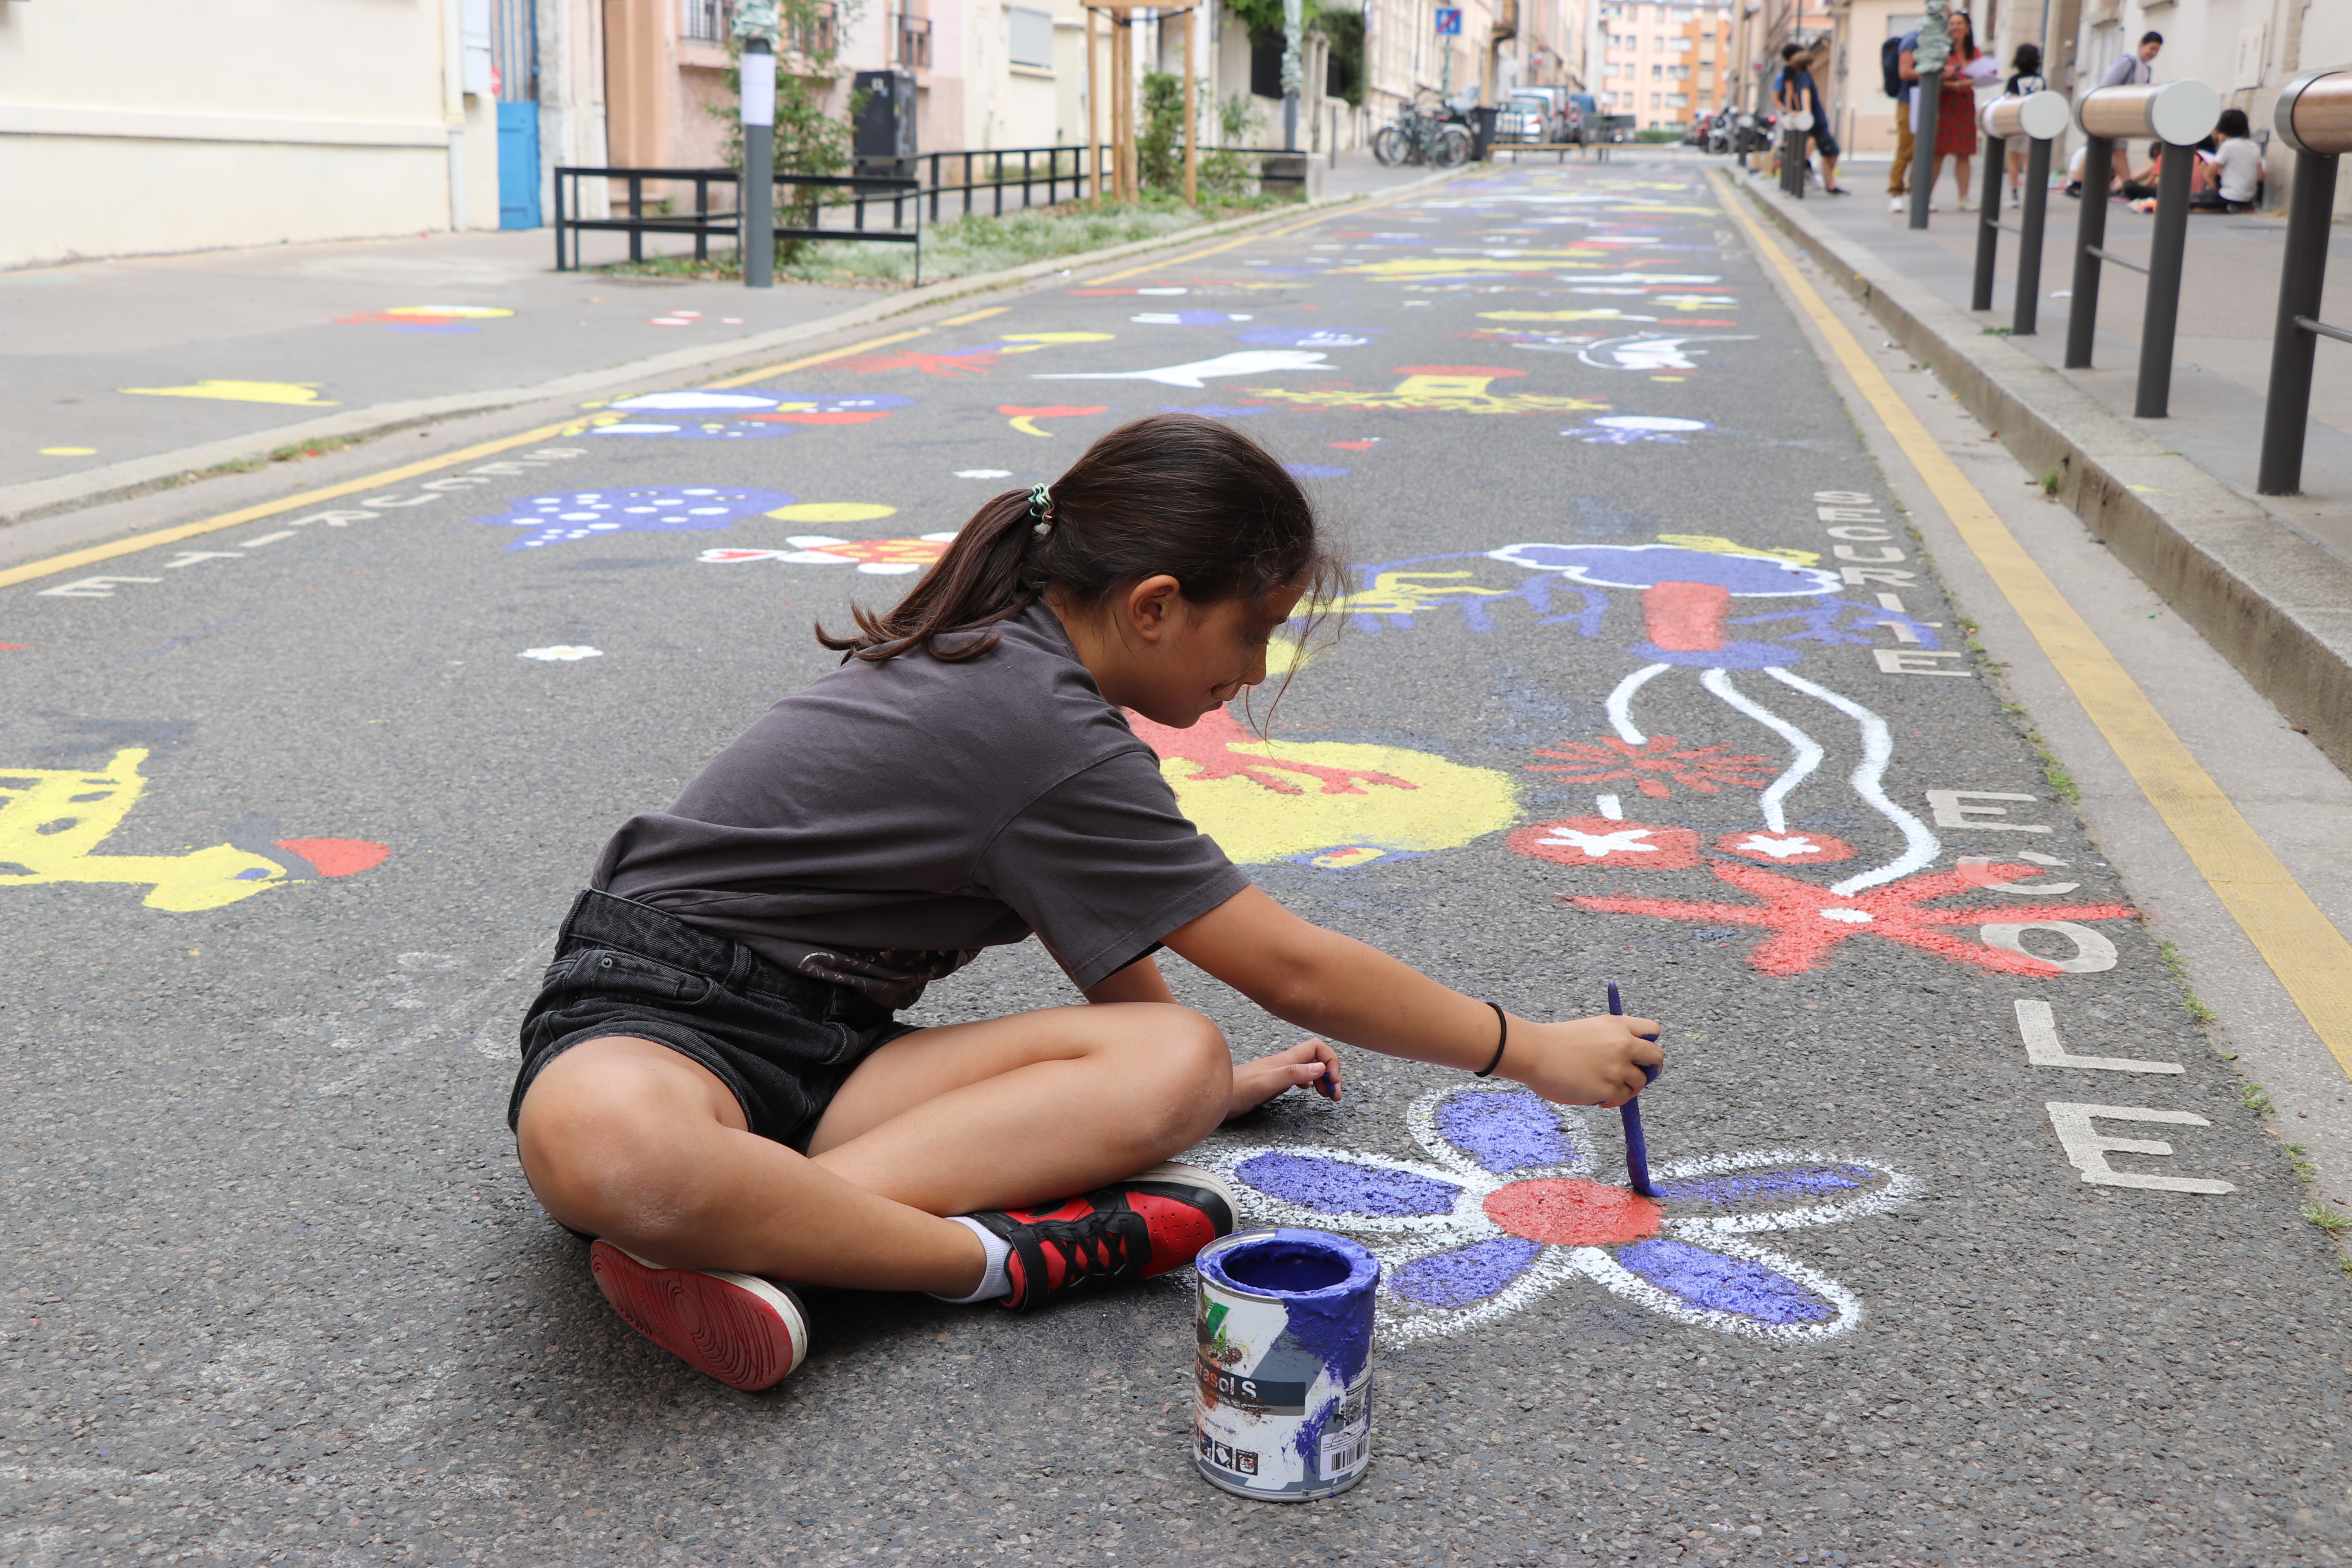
x=1423 y=136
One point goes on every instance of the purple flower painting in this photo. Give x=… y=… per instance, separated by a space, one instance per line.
x=1509 y=1209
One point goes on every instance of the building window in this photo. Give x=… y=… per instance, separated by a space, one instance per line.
x=1678 y=100
x=1654 y=100
x=911 y=42
x=1678 y=73
x=1032 y=38
x=815 y=40
x=706 y=21
x=1657 y=71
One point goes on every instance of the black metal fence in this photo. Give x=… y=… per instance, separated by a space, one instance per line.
x=833 y=194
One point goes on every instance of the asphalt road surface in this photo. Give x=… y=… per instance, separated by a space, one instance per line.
x=1642 y=677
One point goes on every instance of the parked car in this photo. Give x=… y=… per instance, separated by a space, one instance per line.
x=1532 y=117
x=1560 y=113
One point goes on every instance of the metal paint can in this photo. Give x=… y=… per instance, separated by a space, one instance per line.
x=1283 y=1411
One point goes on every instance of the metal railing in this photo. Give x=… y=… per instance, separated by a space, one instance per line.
x=2180 y=114
x=2314 y=119
x=853 y=195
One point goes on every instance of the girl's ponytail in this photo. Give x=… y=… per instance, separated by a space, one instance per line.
x=983 y=567
x=1174 y=493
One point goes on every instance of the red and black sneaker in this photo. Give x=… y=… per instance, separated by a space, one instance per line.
x=748 y=1332
x=1133 y=1229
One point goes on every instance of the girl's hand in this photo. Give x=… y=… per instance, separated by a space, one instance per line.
x=1307 y=1062
x=1589 y=1061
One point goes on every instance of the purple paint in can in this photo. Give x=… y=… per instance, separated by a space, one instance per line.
x=1283 y=1410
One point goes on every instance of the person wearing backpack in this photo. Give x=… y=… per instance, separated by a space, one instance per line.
x=1898 y=87
x=2025 y=80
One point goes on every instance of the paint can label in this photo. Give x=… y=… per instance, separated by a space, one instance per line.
x=1271 y=1416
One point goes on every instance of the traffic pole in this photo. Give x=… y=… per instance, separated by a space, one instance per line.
x=756 y=213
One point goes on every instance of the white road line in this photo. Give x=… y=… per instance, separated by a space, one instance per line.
x=1808 y=749
x=1619 y=720
x=1920 y=846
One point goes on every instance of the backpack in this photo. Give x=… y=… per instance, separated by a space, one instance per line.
x=1890 y=64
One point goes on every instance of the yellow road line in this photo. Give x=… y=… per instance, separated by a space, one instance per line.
x=969 y=317
x=2311 y=958
x=116 y=548
x=111 y=550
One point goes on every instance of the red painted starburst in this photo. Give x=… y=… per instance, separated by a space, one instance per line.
x=1808 y=921
x=1654 y=765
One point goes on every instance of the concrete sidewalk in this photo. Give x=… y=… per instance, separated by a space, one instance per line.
x=2268 y=579
x=120 y=374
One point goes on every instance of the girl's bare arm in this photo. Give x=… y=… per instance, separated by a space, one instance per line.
x=1338 y=986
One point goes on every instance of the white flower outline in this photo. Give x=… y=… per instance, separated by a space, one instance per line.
x=1414 y=1236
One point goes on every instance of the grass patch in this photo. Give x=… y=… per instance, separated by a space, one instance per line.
x=2180 y=968
x=2060 y=777
x=1996 y=331
x=2328 y=1220
x=294 y=454
x=2050 y=477
x=2298 y=1159
x=2257 y=1101
x=966 y=247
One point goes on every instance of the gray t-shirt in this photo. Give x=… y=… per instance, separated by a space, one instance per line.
x=880 y=827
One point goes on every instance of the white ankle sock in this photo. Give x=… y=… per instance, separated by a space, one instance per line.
x=993 y=1285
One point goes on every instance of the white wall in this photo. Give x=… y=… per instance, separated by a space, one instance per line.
x=149 y=126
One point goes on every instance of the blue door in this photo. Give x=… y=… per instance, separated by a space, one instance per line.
x=518 y=165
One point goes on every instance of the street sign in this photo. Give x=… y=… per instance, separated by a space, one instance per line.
x=1449 y=22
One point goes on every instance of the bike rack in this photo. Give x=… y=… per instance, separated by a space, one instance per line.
x=2314 y=118
x=2039 y=117
x=2180 y=114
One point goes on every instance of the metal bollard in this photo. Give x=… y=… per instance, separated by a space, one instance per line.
x=2038 y=117
x=2314 y=119
x=2023 y=323
x=2180 y=114
x=1795 y=129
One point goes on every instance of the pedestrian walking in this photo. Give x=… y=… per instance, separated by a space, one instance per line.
x=1955 y=107
x=2025 y=79
x=1795 y=91
x=715 y=1084
x=2137 y=67
x=1899 y=58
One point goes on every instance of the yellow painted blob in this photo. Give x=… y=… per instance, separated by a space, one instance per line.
x=303 y=392
x=832 y=512
x=1344 y=805
x=51 y=822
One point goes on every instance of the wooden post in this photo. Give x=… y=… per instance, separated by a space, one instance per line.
x=1094 y=114
x=1192 y=132
x=1122 y=103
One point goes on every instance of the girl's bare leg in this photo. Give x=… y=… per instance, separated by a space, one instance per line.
x=1961 y=173
x=627 y=1139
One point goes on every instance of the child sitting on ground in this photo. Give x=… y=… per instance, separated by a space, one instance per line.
x=714 y=1084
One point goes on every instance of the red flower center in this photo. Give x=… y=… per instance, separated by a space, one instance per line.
x=1570 y=1213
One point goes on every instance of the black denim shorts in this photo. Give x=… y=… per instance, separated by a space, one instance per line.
x=782 y=1042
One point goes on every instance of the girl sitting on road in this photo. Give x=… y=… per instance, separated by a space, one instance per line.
x=713 y=1083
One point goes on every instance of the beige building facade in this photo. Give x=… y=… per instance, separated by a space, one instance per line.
x=1664 y=63
x=148 y=127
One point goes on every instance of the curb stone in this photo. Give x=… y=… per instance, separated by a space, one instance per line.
x=117 y=482
x=2275 y=604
